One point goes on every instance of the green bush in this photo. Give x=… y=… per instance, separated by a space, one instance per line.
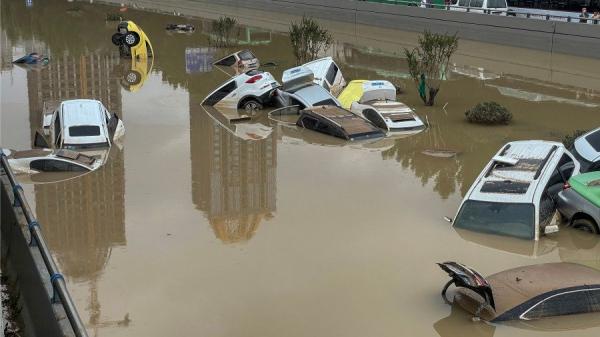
x=569 y=139
x=222 y=31
x=488 y=113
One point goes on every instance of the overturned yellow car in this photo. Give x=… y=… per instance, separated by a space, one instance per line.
x=132 y=41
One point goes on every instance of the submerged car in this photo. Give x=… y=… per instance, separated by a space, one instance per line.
x=298 y=88
x=243 y=59
x=525 y=293
x=516 y=192
x=79 y=124
x=45 y=160
x=132 y=41
x=337 y=122
x=376 y=101
x=587 y=150
x=180 y=28
x=327 y=74
x=579 y=202
x=32 y=59
x=249 y=91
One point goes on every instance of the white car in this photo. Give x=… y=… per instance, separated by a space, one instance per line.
x=327 y=74
x=299 y=89
x=46 y=160
x=376 y=101
x=249 y=91
x=79 y=124
x=498 y=7
x=516 y=193
x=243 y=59
x=587 y=150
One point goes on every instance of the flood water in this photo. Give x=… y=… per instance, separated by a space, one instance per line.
x=189 y=230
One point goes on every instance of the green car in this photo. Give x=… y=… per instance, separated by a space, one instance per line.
x=579 y=202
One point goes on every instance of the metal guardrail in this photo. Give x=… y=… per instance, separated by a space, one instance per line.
x=523 y=13
x=59 y=286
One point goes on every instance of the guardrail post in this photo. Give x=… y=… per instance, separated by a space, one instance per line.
x=547 y=17
x=16 y=189
x=31 y=226
x=568 y=19
x=54 y=278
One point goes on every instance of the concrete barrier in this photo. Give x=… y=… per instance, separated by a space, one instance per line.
x=24 y=267
x=549 y=36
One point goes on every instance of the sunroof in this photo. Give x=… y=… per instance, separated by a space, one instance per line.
x=505 y=186
x=525 y=164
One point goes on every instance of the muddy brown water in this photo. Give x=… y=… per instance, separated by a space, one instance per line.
x=189 y=230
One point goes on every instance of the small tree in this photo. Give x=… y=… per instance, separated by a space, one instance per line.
x=308 y=39
x=222 y=30
x=569 y=139
x=428 y=63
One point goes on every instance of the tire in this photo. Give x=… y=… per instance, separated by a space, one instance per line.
x=585 y=225
x=251 y=105
x=131 y=39
x=117 y=39
x=132 y=77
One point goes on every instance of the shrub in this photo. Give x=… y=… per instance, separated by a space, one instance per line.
x=222 y=30
x=488 y=113
x=569 y=139
x=428 y=63
x=308 y=39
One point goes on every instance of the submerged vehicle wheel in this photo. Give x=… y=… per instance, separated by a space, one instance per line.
x=133 y=77
x=117 y=39
x=131 y=39
x=252 y=105
x=586 y=226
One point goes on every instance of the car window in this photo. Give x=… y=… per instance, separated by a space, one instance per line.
x=51 y=165
x=221 y=93
x=246 y=55
x=574 y=302
x=228 y=61
x=511 y=219
x=476 y=3
x=496 y=4
x=375 y=118
x=309 y=122
x=57 y=130
x=331 y=73
x=594 y=140
x=594 y=295
x=328 y=101
x=84 y=131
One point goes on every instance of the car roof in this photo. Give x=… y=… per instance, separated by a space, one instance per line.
x=504 y=182
x=320 y=67
x=82 y=112
x=513 y=287
x=352 y=124
x=588 y=145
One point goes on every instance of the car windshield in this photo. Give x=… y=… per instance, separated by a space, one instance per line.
x=84 y=131
x=510 y=219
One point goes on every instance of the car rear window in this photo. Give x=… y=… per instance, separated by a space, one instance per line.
x=510 y=219
x=246 y=55
x=84 y=131
x=594 y=140
x=328 y=101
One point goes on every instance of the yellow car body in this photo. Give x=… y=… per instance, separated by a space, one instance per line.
x=135 y=75
x=130 y=35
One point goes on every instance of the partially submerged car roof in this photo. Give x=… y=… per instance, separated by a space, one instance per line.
x=340 y=123
x=82 y=112
x=363 y=91
x=518 y=285
x=512 y=175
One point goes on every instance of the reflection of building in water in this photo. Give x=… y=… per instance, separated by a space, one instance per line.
x=233 y=181
x=6 y=51
x=68 y=77
x=83 y=218
x=199 y=60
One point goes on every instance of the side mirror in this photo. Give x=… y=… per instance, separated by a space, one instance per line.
x=449 y=219
x=40 y=140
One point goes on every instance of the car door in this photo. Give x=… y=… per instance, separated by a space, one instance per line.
x=56 y=130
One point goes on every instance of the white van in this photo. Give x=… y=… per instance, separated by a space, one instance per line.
x=327 y=74
x=498 y=7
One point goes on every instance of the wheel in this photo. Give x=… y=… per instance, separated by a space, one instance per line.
x=131 y=39
x=133 y=77
x=117 y=39
x=251 y=105
x=585 y=225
